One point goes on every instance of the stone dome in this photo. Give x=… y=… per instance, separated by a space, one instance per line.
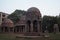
x=7 y=23
x=35 y=10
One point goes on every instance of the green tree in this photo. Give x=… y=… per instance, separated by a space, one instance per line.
x=58 y=21
x=15 y=16
x=48 y=21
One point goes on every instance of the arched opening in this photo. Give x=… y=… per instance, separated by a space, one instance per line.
x=35 y=29
x=28 y=26
x=6 y=29
x=2 y=29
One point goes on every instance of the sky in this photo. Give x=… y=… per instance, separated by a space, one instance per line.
x=46 y=7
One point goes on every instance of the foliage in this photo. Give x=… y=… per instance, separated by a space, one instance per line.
x=58 y=21
x=48 y=21
x=15 y=16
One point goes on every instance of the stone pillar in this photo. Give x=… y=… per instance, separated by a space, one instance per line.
x=0 y=18
x=56 y=28
x=31 y=27
x=13 y=29
x=3 y=29
x=19 y=29
x=38 y=27
x=0 y=29
x=22 y=29
x=8 y=29
x=25 y=27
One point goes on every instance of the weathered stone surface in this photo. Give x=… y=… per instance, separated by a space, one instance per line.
x=56 y=28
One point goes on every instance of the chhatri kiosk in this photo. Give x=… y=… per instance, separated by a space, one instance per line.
x=30 y=23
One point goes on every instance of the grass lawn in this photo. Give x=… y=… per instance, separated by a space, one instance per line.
x=55 y=36
x=13 y=37
x=7 y=37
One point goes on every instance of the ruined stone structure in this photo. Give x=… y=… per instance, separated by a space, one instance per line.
x=7 y=26
x=56 y=28
x=29 y=24
x=3 y=16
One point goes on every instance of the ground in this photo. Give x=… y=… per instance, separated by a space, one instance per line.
x=11 y=36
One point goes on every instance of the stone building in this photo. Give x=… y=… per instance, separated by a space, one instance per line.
x=7 y=26
x=3 y=16
x=29 y=24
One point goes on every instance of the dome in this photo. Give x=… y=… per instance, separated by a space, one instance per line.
x=35 y=10
x=7 y=23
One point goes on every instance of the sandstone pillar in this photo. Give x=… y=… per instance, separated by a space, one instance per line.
x=25 y=27
x=0 y=29
x=8 y=29
x=31 y=27
x=38 y=27
x=13 y=29
x=19 y=29
x=3 y=29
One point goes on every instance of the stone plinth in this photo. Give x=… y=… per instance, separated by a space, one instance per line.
x=32 y=34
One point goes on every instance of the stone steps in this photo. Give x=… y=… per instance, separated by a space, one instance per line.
x=32 y=34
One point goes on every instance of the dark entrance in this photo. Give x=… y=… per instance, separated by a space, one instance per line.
x=35 y=26
x=28 y=26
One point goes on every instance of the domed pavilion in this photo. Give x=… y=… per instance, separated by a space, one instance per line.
x=30 y=23
x=33 y=21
